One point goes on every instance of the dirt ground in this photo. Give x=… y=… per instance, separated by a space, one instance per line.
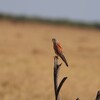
x=26 y=61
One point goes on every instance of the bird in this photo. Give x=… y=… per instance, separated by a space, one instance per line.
x=58 y=50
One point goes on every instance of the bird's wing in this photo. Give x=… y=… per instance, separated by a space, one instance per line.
x=59 y=47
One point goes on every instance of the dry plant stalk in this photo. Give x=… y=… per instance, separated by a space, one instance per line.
x=57 y=86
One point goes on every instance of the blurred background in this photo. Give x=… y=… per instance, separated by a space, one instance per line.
x=26 y=51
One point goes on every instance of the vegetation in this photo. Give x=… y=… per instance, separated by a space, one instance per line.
x=26 y=61
x=50 y=21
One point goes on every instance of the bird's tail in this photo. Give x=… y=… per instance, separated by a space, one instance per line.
x=64 y=59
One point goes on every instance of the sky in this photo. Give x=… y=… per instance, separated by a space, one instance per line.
x=78 y=10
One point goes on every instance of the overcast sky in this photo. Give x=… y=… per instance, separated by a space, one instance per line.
x=85 y=10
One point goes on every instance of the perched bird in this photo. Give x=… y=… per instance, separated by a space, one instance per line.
x=58 y=50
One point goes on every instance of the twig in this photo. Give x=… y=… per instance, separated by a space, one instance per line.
x=56 y=73
x=60 y=85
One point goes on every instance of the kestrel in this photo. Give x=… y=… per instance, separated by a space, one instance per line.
x=58 y=50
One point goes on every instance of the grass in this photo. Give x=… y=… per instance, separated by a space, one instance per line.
x=26 y=61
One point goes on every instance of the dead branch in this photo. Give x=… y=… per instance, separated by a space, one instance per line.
x=57 y=87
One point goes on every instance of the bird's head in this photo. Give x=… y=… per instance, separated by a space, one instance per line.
x=53 y=40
